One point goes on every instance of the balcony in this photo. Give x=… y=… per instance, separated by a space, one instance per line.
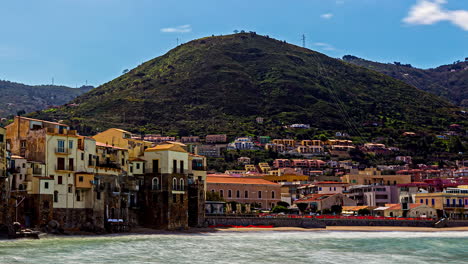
x=62 y=151
x=37 y=171
x=64 y=168
x=454 y=206
x=111 y=165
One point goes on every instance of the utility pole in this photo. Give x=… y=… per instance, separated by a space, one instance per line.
x=303 y=40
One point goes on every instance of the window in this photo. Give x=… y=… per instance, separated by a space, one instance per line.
x=448 y=201
x=46 y=185
x=334 y=188
x=70 y=189
x=80 y=178
x=246 y=194
x=61 y=146
x=98 y=195
x=70 y=144
x=55 y=196
x=237 y=194
x=23 y=143
x=320 y=188
x=421 y=201
x=181 y=166
x=229 y=193
x=59 y=180
x=78 y=195
x=174 y=184
x=82 y=156
x=212 y=191
x=259 y=194
x=272 y=194
x=433 y=201
x=174 y=166
x=131 y=169
x=137 y=165
x=155 y=184
x=460 y=202
x=221 y=193
x=181 y=184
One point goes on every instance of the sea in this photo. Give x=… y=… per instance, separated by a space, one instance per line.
x=244 y=247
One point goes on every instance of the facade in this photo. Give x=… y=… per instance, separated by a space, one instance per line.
x=245 y=190
x=319 y=202
x=414 y=210
x=451 y=204
x=216 y=138
x=374 y=176
x=373 y=195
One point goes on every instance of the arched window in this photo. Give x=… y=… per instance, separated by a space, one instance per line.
x=259 y=194
x=181 y=184
x=155 y=184
x=56 y=197
x=246 y=194
x=212 y=191
x=221 y=193
x=174 y=184
x=229 y=193
x=237 y=194
x=272 y=194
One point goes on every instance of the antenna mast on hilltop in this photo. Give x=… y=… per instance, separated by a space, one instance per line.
x=303 y=40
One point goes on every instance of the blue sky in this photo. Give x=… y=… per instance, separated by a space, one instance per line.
x=77 y=40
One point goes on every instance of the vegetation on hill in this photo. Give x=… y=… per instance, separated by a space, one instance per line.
x=449 y=81
x=221 y=84
x=20 y=98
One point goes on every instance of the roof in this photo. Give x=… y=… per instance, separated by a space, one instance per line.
x=332 y=182
x=38 y=120
x=354 y=208
x=166 y=147
x=398 y=206
x=136 y=159
x=100 y=144
x=315 y=197
x=238 y=180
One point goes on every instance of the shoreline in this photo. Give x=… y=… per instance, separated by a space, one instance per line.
x=346 y=228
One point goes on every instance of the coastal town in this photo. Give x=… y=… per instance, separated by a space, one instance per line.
x=56 y=180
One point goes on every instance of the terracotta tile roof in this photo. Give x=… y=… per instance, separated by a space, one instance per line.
x=237 y=180
x=314 y=197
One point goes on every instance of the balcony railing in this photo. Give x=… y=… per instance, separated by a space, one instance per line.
x=63 y=168
x=64 y=151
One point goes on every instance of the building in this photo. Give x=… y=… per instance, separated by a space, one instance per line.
x=373 y=195
x=213 y=151
x=413 y=210
x=242 y=143
x=453 y=203
x=220 y=138
x=259 y=192
x=319 y=202
x=373 y=176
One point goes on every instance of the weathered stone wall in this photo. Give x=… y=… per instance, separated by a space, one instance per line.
x=73 y=219
x=196 y=205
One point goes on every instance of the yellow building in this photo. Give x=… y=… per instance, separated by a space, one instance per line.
x=123 y=139
x=289 y=143
x=454 y=205
x=374 y=176
x=311 y=143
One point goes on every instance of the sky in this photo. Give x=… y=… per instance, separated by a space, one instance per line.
x=93 y=41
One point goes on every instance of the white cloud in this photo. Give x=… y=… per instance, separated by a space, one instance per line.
x=324 y=46
x=428 y=12
x=178 y=29
x=327 y=16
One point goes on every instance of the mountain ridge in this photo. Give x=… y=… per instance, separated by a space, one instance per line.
x=220 y=84
x=449 y=81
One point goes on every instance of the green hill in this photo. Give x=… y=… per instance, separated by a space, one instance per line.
x=17 y=97
x=449 y=81
x=221 y=84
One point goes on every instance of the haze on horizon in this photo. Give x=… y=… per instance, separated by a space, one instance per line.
x=95 y=40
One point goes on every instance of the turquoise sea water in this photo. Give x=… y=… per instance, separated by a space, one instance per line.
x=244 y=247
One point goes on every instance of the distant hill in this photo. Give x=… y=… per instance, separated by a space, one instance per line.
x=449 y=81
x=17 y=97
x=221 y=84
